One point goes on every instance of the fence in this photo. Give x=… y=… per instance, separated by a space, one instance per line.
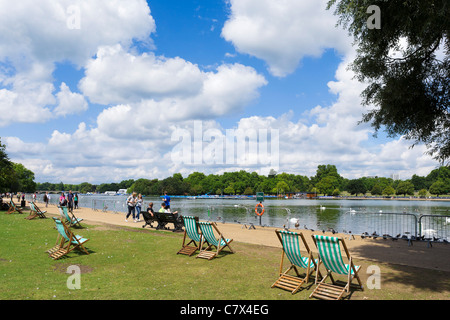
x=434 y=228
x=388 y=225
x=426 y=227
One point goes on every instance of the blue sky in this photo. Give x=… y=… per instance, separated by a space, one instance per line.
x=99 y=102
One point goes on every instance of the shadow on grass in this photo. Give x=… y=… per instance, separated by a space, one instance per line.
x=417 y=266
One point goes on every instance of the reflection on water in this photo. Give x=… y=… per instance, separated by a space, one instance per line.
x=340 y=215
x=348 y=216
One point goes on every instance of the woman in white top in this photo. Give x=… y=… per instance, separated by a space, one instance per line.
x=138 y=207
x=131 y=202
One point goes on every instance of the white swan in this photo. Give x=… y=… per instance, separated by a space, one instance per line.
x=295 y=222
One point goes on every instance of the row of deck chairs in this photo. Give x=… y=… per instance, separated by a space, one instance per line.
x=34 y=210
x=330 y=256
x=202 y=238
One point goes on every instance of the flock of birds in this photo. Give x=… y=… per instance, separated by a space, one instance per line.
x=426 y=235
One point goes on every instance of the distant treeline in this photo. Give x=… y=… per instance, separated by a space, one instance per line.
x=327 y=181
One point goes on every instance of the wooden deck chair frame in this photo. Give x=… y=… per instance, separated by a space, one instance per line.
x=35 y=212
x=13 y=208
x=190 y=232
x=40 y=213
x=330 y=256
x=68 y=242
x=220 y=242
x=290 y=242
x=70 y=217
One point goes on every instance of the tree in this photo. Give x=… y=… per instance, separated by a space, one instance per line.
x=248 y=191
x=410 y=89
x=405 y=187
x=24 y=178
x=5 y=170
x=377 y=190
x=327 y=185
x=86 y=187
x=419 y=182
x=325 y=171
x=423 y=193
x=439 y=187
x=356 y=186
x=142 y=186
x=229 y=189
x=388 y=191
x=281 y=187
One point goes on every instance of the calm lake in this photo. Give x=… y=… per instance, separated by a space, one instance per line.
x=392 y=217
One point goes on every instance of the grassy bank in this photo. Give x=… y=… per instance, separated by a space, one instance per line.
x=130 y=263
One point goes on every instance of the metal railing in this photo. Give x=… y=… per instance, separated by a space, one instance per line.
x=434 y=228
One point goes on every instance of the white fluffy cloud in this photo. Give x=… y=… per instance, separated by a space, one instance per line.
x=283 y=32
x=174 y=85
x=26 y=96
x=48 y=30
x=69 y=102
x=117 y=76
x=34 y=35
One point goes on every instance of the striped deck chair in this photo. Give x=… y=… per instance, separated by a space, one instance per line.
x=191 y=231
x=35 y=212
x=207 y=230
x=290 y=242
x=71 y=219
x=68 y=243
x=13 y=208
x=330 y=256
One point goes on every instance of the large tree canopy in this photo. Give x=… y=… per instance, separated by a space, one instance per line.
x=405 y=61
x=5 y=170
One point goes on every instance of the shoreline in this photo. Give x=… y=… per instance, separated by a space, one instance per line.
x=243 y=197
x=419 y=254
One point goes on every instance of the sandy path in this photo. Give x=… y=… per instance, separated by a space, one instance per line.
x=419 y=254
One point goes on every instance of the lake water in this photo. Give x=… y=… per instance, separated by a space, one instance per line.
x=393 y=217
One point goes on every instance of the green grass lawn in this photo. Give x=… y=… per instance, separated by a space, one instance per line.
x=134 y=263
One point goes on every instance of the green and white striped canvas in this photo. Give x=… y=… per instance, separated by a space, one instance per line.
x=191 y=228
x=291 y=247
x=208 y=233
x=330 y=254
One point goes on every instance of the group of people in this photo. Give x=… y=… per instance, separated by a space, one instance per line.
x=134 y=203
x=71 y=202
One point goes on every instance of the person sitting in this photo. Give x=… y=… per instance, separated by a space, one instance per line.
x=164 y=209
x=150 y=209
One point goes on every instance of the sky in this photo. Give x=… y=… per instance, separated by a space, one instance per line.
x=108 y=90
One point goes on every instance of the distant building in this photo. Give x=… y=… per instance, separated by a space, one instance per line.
x=395 y=176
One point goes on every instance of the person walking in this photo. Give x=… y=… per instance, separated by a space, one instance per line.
x=166 y=200
x=138 y=207
x=70 y=201
x=131 y=202
x=75 y=201
x=46 y=198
